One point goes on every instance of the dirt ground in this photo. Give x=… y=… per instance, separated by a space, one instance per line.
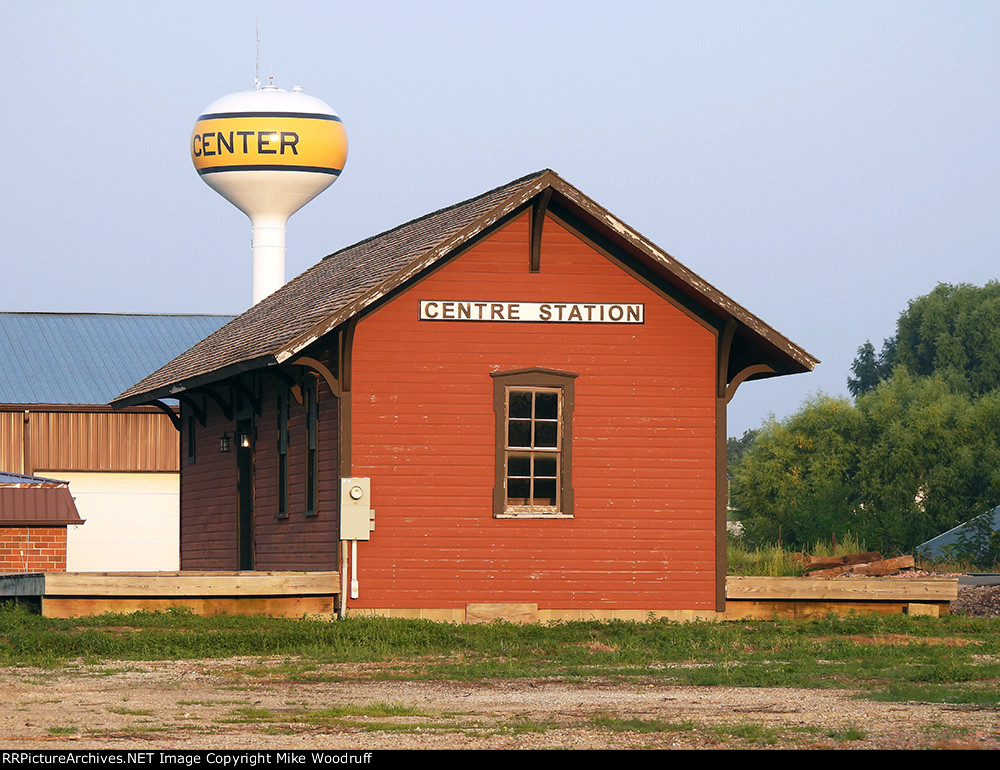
x=249 y=704
x=216 y=705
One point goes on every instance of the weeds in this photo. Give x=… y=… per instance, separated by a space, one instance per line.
x=132 y=712
x=638 y=725
x=951 y=659
x=751 y=733
x=776 y=561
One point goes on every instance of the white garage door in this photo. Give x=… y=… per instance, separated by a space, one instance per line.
x=131 y=521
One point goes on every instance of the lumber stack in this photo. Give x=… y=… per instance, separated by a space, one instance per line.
x=870 y=563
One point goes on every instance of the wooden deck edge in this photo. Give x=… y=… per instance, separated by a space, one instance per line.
x=298 y=594
x=932 y=590
x=154 y=585
x=270 y=606
x=745 y=609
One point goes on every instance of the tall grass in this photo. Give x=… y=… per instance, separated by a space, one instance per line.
x=777 y=561
x=954 y=565
x=774 y=560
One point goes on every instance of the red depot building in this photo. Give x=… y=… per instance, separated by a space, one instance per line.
x=513 y=406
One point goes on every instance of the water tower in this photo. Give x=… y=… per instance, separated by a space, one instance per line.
x=269 y=152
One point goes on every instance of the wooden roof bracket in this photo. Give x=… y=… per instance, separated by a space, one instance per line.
x=744 y=375
x=168 y=411
x=248 y=394
x=224 y=406
x=722 y=365
x=538 y=209
x=293 y=387
x=322 y=370
x=345 y=354
x=726 y=388
x=190 y=403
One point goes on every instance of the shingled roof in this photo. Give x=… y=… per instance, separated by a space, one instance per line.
x=348 y=281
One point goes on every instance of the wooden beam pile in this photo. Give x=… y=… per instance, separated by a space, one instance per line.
x=870 y=563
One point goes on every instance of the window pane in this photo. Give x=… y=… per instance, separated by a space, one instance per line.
x=545 y=492
x=518 y=491
x=546 y=406
x=519 y=465
x=520 y=403
x=532 y=465
x=546 y=434
x=545 y=465
x=519 y=433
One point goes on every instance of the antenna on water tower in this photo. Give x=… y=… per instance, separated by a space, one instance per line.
x=268 y=152
x=256 y=78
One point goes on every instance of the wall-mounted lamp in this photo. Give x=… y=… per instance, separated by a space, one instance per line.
x=246 y=438
x=225 y=443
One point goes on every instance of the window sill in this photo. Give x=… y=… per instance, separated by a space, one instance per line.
x=539 y=515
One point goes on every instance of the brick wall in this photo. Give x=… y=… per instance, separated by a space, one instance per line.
x=32 y=549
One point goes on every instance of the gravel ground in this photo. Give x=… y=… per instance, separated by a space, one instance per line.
x=977 y=601
x=210 y=705
x=224 y=705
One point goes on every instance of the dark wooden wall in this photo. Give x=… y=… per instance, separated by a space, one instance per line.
x=209 y=496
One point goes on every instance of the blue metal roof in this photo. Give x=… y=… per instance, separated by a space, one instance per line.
x=937 y=547
x=89 y=358
x=7 y=478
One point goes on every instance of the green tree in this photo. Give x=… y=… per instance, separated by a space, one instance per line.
x=905 y=462
x=932 y=460
x=794 y=483
x=736 y=447
x=869 y=369
x=952 y=332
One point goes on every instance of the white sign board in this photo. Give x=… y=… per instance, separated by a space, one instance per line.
x=533 y=312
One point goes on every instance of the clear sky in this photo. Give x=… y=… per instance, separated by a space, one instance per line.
x=822 y=163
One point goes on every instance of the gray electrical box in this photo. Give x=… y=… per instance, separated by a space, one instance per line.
x=357 y=519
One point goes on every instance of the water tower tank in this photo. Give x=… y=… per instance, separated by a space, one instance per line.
x=269 y=152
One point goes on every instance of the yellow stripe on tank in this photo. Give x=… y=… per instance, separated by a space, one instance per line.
x=279 y=142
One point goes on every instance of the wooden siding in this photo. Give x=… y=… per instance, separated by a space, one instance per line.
x=208 y=494
x=86 y=439
x=209 y=533
x=12 y=442
x=297 y=542
x=643 y=533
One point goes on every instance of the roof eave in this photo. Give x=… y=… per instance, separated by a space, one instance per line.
x=794 y=358
x=202 y=380
x=447 y=247
x=703 y=292
x=775 y=347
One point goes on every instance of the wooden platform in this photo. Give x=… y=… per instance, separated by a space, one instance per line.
x=77 y=594
x=796 y=597
x=295 y=594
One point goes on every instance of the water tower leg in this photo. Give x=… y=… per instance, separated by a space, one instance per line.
x=268 y=257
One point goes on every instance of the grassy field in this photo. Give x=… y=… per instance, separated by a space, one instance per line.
x=937 y=660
